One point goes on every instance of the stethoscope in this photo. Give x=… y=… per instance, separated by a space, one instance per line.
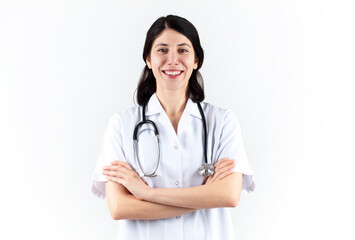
x=205 y=170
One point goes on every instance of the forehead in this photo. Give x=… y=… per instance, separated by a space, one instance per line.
x=171 y=37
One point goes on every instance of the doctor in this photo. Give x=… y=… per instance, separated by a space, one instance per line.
x=178 y=203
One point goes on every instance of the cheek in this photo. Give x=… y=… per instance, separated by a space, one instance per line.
x=189 y=62
x=157 y=62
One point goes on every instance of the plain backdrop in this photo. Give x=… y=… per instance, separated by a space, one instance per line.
x=286 y=68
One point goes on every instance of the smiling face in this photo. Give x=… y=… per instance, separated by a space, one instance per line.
x=172 y=60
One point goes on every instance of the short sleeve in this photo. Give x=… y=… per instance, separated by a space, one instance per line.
x=231 y=146
x=111 y=149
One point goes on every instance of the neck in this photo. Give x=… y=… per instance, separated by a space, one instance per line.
x=172 y=102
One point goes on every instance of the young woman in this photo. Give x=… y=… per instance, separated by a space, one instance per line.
x=156 y=159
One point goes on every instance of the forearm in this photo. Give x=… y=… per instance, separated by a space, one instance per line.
x=123 y=205
x=134 y=209
x=224 y=193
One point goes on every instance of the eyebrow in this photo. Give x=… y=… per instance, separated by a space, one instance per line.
x=181 y=44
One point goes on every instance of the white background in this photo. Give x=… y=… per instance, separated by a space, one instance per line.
x=285 y=67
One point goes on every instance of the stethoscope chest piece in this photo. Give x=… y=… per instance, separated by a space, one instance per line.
x=206 y=170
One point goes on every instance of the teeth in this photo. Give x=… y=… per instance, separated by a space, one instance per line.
x=173 y=73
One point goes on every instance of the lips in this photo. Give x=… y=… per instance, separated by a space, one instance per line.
x=172 y=73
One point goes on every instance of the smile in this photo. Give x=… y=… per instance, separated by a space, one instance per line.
x=172 y=74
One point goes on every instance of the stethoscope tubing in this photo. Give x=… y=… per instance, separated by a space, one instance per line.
x=205 y=170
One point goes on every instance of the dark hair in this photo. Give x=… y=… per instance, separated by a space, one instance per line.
x=147 y=83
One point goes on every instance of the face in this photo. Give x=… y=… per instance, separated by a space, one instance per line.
x=172 y=60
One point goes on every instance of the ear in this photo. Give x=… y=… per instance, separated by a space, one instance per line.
x=196 y=63
x=148 y=62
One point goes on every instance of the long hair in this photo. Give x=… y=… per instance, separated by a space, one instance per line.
x=147 y=82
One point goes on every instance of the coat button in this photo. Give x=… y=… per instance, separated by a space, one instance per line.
x=176 y=147
x=177 y=183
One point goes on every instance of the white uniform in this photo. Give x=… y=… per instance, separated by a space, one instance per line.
x=181 y=154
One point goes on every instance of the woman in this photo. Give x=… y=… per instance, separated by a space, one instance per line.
x=178 y=202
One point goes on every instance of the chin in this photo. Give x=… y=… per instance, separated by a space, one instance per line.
x=173 y=86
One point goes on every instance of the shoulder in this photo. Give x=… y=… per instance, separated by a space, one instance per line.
x=218 y=114
x=125 y=116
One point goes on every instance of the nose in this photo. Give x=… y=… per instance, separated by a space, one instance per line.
x=173 y=58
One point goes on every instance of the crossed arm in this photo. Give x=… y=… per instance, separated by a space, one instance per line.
x=123 y=205
x=130 y=198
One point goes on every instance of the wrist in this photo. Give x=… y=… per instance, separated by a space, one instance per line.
x=148 y=193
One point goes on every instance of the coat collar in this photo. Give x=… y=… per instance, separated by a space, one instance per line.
x=154 y=107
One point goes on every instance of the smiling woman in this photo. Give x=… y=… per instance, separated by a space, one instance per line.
x=165 y=193
x=173 y=61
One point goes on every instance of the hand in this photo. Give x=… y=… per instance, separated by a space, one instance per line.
x=122 y=172
x=222 y=169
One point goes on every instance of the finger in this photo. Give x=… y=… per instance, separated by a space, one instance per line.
x=223 y=175
x=214 y=176
x=110 y=173
x=223 y=169
x=220 y=161
x=223 y=161
x=223 y=164
x=123 y=164
x=113 y=163
x=115 y=179
x=126 y=168
x=222 y=172
x=106 y=167
x=112 y=179
x=118 y=171
x=226 y=168
x=111 y=167
x=119 y=163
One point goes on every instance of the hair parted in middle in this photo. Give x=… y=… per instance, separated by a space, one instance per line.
x=147 y=82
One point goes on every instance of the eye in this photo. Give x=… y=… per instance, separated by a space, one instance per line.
x=183 y=50
x=161 y=50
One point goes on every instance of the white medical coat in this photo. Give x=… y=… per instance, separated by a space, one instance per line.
x=181 y=154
